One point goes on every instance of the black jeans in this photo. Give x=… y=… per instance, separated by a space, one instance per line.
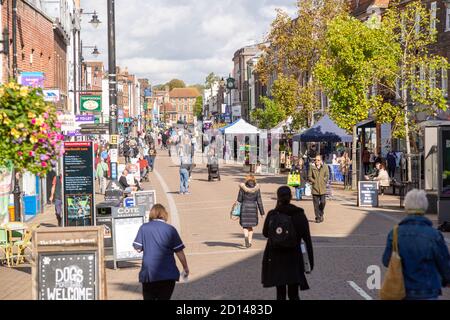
x=319 y=205
x=292 y=291
x=391 y=172
x=158 y=290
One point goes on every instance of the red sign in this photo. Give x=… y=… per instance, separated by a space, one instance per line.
x=77 y=144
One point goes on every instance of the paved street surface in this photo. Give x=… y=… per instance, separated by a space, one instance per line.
x=349 y=241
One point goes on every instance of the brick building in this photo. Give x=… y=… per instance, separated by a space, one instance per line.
x=183 y=100
x=92 y=75
x=240 y=59
x=41 y=46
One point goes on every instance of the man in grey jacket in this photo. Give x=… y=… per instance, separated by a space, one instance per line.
x=318 y=176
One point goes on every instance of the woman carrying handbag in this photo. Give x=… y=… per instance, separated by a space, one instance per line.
x=250 y=199
x=416 y=255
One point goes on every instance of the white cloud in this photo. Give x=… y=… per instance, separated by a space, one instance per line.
x=161 y=39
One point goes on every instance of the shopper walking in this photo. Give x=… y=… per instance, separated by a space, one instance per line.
x=344 y=166
x=102 y=175
x=391 y=159
x=250 y=198
x=318 y=176
x=152 y=156
x=423 y=251
x=185 y=165
x=56 y=195
x=283 y=267
x=159 y=241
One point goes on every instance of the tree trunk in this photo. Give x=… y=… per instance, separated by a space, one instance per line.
x=408 y=145
x=354 y=160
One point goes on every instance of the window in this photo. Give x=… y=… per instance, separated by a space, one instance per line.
x=417 y=23
x=447 y=19
x=422 y=78
x=444 y=81
x=432 y=78
x=433 y=10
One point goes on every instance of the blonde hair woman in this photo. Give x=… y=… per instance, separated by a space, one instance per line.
x=250 y=198
x=159 y=241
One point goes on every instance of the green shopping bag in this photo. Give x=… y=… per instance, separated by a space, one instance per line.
x=293 y=180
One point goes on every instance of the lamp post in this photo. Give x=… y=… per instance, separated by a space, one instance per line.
x=113 y=129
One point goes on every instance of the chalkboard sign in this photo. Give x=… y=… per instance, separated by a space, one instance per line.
x=145 y=198
x=67 y=276
x=126 y=224
x=78 y=184
x=368 y=194
x=68 y=264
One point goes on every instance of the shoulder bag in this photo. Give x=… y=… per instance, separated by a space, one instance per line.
x=235 y=211
x=393 y=287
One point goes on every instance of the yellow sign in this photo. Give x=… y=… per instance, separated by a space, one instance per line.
x=114 y=139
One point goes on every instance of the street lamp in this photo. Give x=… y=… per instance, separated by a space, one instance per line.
x=95 y=21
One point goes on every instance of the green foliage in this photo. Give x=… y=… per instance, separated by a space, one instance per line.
x=198 y=107
x=199 y=87
x=176 y=83
x=418 y=67
x=294 y=49
x=356 y=57
x=29 y=131
x=210 y=79
x=270 y=116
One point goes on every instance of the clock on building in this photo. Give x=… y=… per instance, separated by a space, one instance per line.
x=230 y=83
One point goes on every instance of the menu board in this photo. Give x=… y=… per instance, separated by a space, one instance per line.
x=368 y=194
x=69 y=264
x=126 y=224
x=145 y=198
x=78 y=184
x=70 y=276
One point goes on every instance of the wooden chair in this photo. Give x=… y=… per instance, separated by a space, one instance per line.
x=24 y=244
x=5 y=246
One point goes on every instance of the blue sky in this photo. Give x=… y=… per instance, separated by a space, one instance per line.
x=161 y=39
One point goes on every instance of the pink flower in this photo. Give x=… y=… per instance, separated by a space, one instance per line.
x=20 y=153
x=33 y=121
x=44 y=164
x=58 y=124
x=31 y=153
x=46 y=115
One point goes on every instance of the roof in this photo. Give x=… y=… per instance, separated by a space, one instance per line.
x=240 y=126
x=184 y=93
x=324 y=130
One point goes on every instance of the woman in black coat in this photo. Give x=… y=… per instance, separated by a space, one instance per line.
x=285 y=267
x=250 y=198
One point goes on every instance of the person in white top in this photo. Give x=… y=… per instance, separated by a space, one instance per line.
x=383 y=177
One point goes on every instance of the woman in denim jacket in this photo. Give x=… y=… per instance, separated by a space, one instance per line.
x=424 y=253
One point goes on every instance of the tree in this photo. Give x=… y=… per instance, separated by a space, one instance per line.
x=31 y=136
x=199 y=87
x=294 y=47
x=198 y=107
x=356 y=57
x=176 y=83
x=415 y=32
x=270 y=116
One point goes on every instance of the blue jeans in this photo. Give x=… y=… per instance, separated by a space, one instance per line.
x=298 y=193
x=184 y=180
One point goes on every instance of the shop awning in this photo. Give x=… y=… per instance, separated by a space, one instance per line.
x=324 y=131
x=369 y=123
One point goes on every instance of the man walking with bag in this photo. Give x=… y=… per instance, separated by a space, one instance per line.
x=318 y=176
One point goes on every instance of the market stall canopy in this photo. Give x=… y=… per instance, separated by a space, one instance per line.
x=324 y=131
x=240 y=127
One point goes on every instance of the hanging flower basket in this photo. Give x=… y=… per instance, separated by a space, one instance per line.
x=30 y=135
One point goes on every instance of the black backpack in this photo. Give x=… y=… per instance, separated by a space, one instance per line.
x=282 y=232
